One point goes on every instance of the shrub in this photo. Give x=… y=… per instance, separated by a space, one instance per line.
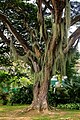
x=4 y=86
x=75 y=106
x=60 y=96
x=22 y=95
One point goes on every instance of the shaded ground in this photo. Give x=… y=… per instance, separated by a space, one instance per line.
x=15 y=113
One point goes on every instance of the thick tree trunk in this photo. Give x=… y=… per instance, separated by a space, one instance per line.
x=40 y=98
x=40 y=101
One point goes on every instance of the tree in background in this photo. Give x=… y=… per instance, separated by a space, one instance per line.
x=38 y=34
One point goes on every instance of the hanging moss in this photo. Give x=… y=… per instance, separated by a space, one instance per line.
x=63 y=65
x=55 y=65
x=52 y=21
x=39 y=17
x=39 y=76
x=56 y=30
x=62 y=31
x=62 y=34
x=41 y=33
x=68 y=20
x=13 y=52
x=59 y=34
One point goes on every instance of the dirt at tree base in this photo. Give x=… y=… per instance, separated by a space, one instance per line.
x=21 y=115
x=56 y=114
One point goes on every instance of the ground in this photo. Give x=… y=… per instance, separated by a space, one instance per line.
x=16 y=113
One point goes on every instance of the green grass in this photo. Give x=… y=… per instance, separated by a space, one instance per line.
x=14 y=112
x=11 y=108
x=61 y=115
x=6 y=110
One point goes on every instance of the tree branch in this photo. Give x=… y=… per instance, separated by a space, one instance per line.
x=74 y=20
x=14 y=32
x=19 y=38
x=72 y=40
x=58 y=6
x=47 y=5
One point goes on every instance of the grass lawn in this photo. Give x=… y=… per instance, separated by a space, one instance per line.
x=15 y=113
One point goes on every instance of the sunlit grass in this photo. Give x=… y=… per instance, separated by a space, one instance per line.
x=61 y=115
x=5 y=110
x=10 y=112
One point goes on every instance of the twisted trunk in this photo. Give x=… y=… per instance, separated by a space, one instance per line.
x=40 y=100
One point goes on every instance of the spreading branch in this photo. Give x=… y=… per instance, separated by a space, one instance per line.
x=58 y=6
x=72 y=39
x=14 y=32
x=75 y=19
x=47 y=5
x=18 y=37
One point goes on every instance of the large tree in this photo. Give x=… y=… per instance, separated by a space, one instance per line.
x=38 y=34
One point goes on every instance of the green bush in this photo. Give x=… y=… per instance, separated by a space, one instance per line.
x=22 y=95
x=75 y=106
x=69 y=93
x=59 y=97
x=4 y=86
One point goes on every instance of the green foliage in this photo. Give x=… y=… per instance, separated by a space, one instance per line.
x=4 y=82
x=4 y=86
x=72 y=84
x=13 y=81
x=75 y=106
x=73 y=89
x=60 y=96
x=21 y=75
x=70 y=65
x=22 y=95
x=4 y=54
x=70 y=93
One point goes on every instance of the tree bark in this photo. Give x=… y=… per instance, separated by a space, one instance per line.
x=40 y=97
x=40 y=90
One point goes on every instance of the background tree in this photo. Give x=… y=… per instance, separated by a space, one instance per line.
x=45 y=48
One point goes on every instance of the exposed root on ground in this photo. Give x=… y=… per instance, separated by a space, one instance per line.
x=31 y=109
x=28 y=109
